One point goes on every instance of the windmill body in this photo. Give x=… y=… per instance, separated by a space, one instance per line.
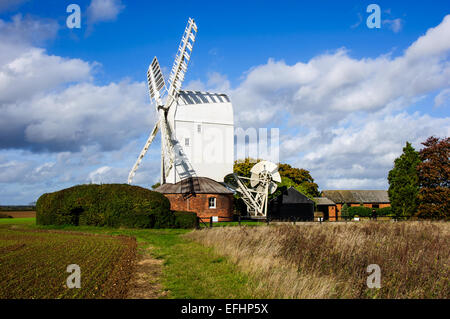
x=197 y=134
x=203 y=126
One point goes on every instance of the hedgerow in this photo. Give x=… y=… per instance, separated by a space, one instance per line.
x=113 y=205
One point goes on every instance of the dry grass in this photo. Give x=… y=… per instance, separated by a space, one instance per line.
x=330 y=260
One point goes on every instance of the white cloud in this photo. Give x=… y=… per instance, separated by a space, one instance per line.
x=27 y=29
x=395 y=25
x=49 y=102
x=364 y=151
x=442 y=97
x=350 y=112
x=104 y=10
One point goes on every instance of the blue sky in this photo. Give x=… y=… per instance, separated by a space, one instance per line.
x=74 y=106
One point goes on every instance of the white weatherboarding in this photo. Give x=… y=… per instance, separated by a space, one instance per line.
x=197 y=128
x=263 y=181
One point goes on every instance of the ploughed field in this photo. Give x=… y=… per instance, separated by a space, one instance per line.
x=20 y=214
x=33 y=263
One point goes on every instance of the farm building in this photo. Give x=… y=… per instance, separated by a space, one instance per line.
x=369 y=198
x=327 y=207
x=291 y=204
x=210 y=198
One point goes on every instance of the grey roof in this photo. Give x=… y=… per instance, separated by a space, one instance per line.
x=357 y=196
x=197 y=97
x=323 y=201
x=206 y=186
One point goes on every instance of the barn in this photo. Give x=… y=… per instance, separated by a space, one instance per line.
x=291 y=205
x=368 y=198
x=209 y=198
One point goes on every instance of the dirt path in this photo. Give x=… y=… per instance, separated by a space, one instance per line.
x=145 y=283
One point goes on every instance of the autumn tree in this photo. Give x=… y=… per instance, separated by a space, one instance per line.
x=298 y=178
x=433 y=173
x=404 y=183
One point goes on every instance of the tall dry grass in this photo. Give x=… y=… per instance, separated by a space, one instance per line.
x=330 y=260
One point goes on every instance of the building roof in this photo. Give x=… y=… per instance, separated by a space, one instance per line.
x=206 y=186
x=293 y=196
x=197 y=97
x=323 y=201
x=356 y=196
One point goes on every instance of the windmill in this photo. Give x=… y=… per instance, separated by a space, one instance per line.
x=180 y=111
x=263 y=179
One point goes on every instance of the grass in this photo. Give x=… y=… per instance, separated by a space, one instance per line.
x=330 y=260
x=33 y=263
x=190 y=270
x=17 y=221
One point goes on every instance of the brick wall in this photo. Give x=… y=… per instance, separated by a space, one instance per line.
x=200 y=204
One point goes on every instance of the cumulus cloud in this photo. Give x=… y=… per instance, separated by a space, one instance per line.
x=350 y=112
x=104 y=10
x=342 y=118
x=363 y=152
x=332 y=85
x=49 y=103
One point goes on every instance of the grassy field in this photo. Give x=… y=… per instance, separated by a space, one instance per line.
x=330 y=260
x=280 y=261
x=33 y=263
x=190 y=270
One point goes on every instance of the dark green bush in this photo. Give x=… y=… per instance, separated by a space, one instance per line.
x=360 y=211
x=185 y=219
x=112 y=205
x=385 y=211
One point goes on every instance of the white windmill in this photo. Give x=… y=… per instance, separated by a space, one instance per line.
x=263 y=179
x=188 y=116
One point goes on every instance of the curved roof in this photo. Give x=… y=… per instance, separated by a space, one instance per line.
x=203 y=107
x=197 y=97
x=357 y=196
x=206 y=186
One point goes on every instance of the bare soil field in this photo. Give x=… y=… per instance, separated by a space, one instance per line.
x=330 y=260
x=33 y=264
x=21 y=214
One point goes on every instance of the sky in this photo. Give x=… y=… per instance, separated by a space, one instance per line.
x=74 y=105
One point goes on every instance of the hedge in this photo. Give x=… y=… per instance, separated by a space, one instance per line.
x=362 y=211
x=112 y=205
x=185 y=219
x=4 y=215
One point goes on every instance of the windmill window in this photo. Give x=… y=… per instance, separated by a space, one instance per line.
x=186 y=141
x=212 y=202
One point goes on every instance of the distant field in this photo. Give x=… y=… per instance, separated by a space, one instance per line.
x=330 y=260
x=33 y=263
x=20 y=214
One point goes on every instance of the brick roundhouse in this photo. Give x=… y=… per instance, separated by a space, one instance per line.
x=209 y=199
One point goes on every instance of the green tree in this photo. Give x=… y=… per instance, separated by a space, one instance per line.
x=404 y=183
x=344 y=212
x=156 y=185
x=434 y=179
x=300 y=177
